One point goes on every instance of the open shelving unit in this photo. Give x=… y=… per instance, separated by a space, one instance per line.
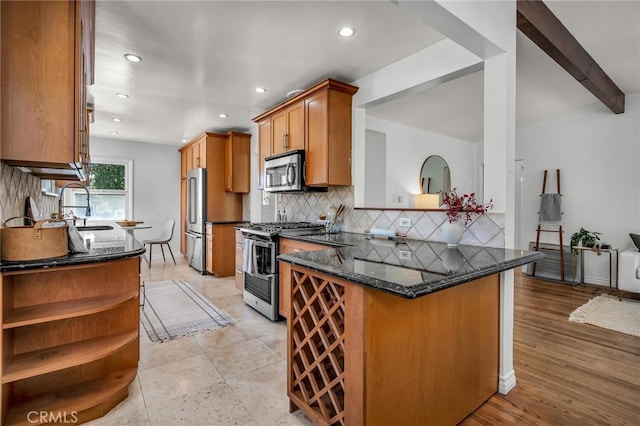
x=70 y=340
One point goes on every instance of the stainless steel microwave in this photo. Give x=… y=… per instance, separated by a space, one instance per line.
x=284 y=172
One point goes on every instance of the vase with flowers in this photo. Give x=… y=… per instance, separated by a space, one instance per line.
x=460 y=210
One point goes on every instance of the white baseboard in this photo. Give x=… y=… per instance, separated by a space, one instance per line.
x=507 y=382
x=599 y=281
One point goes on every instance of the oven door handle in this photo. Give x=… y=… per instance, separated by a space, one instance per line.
x=254 y=258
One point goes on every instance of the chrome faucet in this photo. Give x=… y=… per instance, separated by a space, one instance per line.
x=78 y=185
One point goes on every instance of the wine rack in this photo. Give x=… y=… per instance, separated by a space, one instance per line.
x=317 y=346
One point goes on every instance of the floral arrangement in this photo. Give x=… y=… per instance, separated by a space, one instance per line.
x=463 y=206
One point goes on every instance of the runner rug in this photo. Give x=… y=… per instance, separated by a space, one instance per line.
x=173 y=309
x=609 y=312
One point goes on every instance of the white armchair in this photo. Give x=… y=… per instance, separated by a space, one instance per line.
x=629 y=271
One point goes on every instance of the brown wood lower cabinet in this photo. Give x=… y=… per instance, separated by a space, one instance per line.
x=359 y=356
x=239 y=260
x=284 y=280
x=220 y=247
x=70 y=341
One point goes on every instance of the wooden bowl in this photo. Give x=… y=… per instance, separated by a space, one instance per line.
x=128 y=223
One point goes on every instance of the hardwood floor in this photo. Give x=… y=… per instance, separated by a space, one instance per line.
x=567 y=373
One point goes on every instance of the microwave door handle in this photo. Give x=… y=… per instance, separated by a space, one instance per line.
x=289 y=174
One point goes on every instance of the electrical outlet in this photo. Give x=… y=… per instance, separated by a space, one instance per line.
x=405 y=254
x=405 y=222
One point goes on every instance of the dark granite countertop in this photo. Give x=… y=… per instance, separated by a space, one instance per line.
x=103 y=247
x=404 y=267
x=340 y=239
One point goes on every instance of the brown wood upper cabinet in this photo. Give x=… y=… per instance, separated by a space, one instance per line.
x=212 y=150
x=47 y=64
x=317 y=120
x=287 y=129
x=237 y=161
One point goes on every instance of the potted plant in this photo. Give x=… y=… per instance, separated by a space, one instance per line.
x=584 y=238
x=460 y=208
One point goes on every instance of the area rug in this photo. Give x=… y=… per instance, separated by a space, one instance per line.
x=609 y=312
x=174 y=309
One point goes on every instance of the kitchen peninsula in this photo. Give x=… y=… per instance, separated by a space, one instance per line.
x=70 y=332
x=394 y=332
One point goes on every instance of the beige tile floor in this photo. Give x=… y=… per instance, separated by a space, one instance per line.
x=231 y=376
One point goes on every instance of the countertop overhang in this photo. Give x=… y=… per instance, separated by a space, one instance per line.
x=103 y=247
x=404 y=267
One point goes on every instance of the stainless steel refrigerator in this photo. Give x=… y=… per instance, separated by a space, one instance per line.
x=196 y=216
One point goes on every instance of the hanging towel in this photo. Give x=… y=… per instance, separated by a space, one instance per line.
x=550 y=212
x=249 y=261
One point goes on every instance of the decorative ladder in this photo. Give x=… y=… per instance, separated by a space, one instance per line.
x=559 y=230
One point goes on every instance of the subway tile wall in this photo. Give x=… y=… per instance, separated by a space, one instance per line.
x=15 y=187
x=306 y=207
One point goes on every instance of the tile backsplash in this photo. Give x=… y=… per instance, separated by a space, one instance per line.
x=306 y=207
x=15 y=187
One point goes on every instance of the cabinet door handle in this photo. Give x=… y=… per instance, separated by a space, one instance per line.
x=298 y=250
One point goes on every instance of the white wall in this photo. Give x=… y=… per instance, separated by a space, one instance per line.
x=375 y=176
x=598 y=153
x=408 y=147
x=156 y=183
x=255 y=210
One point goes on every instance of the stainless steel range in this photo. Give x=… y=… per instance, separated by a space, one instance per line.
x=260 y=289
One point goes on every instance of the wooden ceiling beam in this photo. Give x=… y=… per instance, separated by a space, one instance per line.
x=538 y=23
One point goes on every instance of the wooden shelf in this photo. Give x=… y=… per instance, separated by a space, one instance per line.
x=37 y=314
x=77 y=398
x=44 y=361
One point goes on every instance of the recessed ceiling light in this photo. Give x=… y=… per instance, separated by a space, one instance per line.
x=116 y=119
x=122 y=95
x=114 y=133
x=132 y=58
x=223 y=115
x=185 y=140
x=260 y=89
x=346 y=32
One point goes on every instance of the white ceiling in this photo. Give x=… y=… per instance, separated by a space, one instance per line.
x=204 y=58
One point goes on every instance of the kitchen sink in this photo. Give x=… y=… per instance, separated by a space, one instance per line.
x=95 y=228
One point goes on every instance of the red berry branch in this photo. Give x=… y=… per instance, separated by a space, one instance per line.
x=463 y=206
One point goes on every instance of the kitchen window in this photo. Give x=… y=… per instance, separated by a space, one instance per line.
x=110 y=192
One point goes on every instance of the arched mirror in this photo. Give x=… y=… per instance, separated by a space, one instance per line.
x=434 y=175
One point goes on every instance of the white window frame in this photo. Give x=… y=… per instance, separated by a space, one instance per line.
x=69 y=195
x=48 y=187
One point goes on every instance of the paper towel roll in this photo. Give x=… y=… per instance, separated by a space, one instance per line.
x=389 y=233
